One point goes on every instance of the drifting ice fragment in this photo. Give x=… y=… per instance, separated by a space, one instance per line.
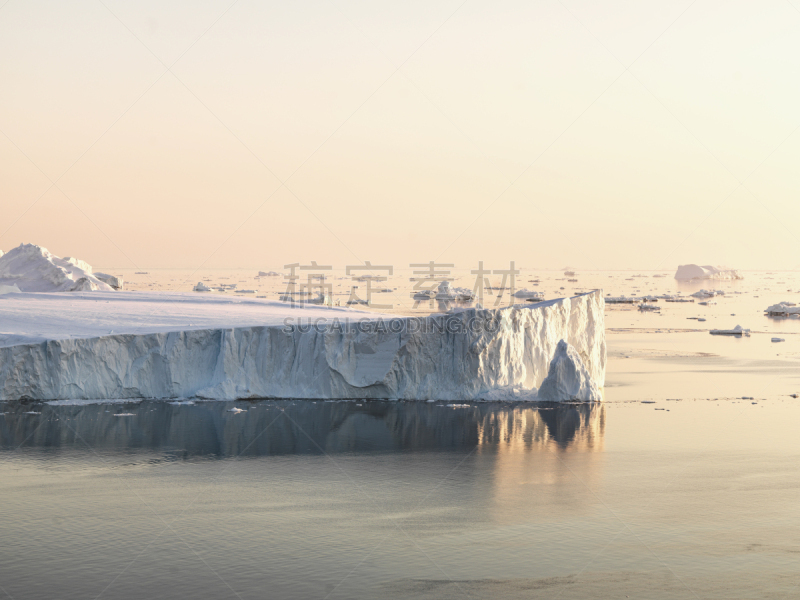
x=735 y=331
x=201 y=287
x=568 y=378
x=783 y=309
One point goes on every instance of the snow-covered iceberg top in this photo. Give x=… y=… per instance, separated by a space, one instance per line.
x=32 y=268
x=687 y=272
x=150 y=345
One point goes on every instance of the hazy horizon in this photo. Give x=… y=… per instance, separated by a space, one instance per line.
x=240 y=135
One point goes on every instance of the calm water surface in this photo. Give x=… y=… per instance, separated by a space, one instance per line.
x=301 y=499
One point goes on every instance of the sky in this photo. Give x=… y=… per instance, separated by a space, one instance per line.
x=241 y=134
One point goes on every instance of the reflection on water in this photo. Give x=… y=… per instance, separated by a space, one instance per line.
x=268 y=428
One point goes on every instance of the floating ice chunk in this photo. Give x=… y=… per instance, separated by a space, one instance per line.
x=568 y=378
x=125 y=415
x=708 y=293
x=268 y=274
x=688 y=272
x=529 y=295
x=201 y=287
x=776 y=339
x=738 y=330
x=236 y=410
x=648 y=307
x=783 y=309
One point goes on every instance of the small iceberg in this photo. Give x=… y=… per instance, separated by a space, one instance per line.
x=782 y=309
x=201 y=287
x=689 y=272
x=708 y=293
x=738 y=330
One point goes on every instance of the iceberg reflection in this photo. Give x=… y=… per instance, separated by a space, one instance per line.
x=267 y=428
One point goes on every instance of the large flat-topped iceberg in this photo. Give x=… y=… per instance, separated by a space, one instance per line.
x=688 y=272
x=147 y=345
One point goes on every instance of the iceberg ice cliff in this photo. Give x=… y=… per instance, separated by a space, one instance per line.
x=107 y=346
x=568 y=378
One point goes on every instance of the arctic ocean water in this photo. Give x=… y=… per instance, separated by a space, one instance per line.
x=682 y=484
x=296 y=499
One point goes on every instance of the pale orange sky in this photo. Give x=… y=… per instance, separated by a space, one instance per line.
x=619 y=134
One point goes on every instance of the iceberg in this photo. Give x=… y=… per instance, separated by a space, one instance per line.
x=132 y=345
x=33 y=269
x=738 y=330
x=529 y=295
x=688 y=272
x=781 y=309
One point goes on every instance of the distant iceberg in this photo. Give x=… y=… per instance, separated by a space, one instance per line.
x=32 y=268
x=689 y=272
x=183 y=345
x=783 y=309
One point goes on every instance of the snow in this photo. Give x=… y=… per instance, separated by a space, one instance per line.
x=33 y=269
x=568 y=378
x=116 y=345
x=688 y=272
